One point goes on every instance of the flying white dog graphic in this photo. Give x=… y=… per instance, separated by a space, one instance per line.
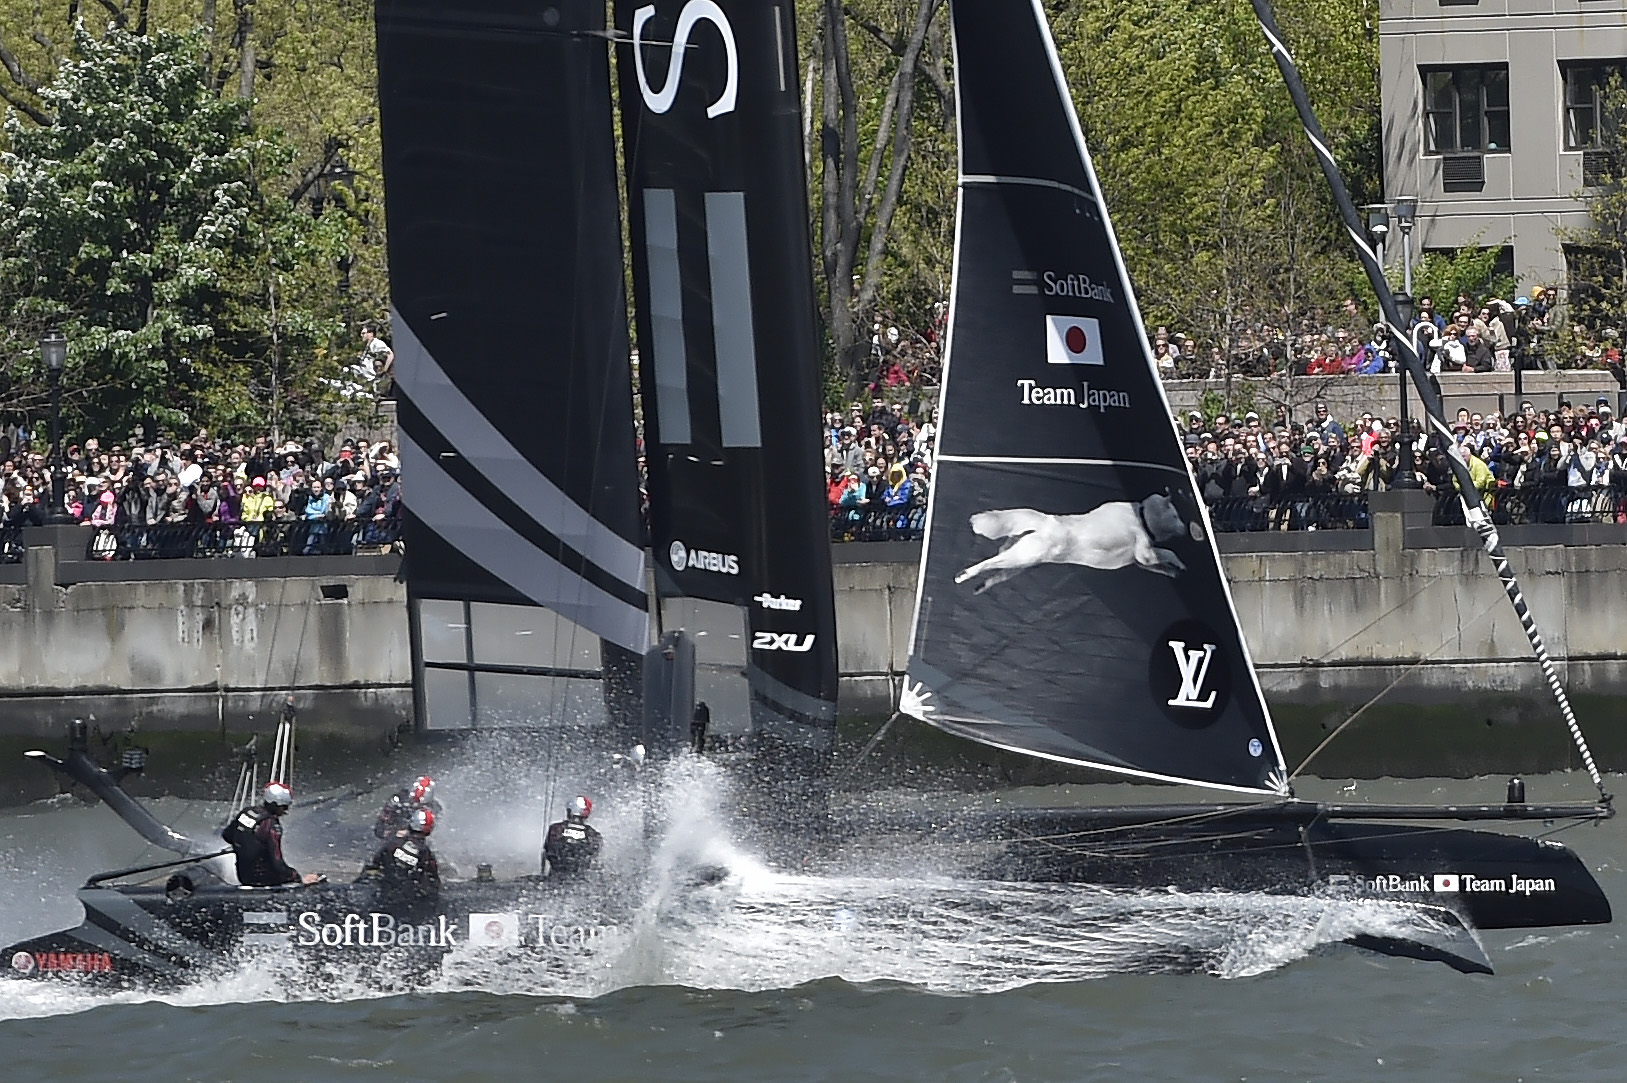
x=1114 y=535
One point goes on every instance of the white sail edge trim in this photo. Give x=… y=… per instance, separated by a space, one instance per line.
x=1146 y=352
x=432 y=392
x=1094 y=765
x=1177 y=471
x=948 y=351
x=1038 y=182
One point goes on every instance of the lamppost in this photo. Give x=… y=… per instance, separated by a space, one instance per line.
x=1405 y=466
x=54 y=352
x=1406 y=210
x=1378 y=224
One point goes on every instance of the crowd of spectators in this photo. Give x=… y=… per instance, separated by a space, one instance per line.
x=1559 y=465
x=200 y=481
x=878 y=465
x=1494 y=335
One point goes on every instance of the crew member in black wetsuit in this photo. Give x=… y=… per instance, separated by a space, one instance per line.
x=697 y=726
x=571 y=845
x=394 y=818
x=407 y=864
x=255 y=835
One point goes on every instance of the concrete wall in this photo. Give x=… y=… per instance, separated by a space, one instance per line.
x=1333 y=620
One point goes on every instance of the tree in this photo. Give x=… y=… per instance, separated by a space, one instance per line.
x=1596 y=256
x=139 y=220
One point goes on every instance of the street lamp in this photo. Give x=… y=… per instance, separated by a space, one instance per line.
x=1405 y=212
x=54 y=352
x=1405 y=467
x=1378 y=224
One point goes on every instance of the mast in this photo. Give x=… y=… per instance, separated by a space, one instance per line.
x=730 y=352
x=525 y=566
x=1474 y=510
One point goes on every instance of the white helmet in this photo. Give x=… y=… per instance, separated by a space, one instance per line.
x=278 y=795
x=580 y=808
x=422 y=821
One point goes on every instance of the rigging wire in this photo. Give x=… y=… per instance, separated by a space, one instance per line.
x=1475 y=513
x=1403 y=675
x=1352 y=637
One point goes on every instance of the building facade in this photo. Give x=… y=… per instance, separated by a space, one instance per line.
x=1491 y=120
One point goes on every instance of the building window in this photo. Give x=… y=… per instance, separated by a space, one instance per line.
x=1584 y=94
x=1466 y=109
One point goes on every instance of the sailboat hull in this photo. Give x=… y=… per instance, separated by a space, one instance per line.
x=146 y=936
x=1489 y=879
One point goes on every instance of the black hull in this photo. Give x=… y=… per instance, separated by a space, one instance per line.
x=141 y=936
x=1489 y=879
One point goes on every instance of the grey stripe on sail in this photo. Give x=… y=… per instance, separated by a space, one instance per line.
x=733 y=336
x=426 y=383
x=666 y=316
x=476 y=532
x=777 y=691
x=1037 y=182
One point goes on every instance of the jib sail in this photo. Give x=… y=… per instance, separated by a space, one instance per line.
x=1071 y=603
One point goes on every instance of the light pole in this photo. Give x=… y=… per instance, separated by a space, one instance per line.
x=1406 y=474
x=54 y=352
x=1378 y=224
x=1405 y=212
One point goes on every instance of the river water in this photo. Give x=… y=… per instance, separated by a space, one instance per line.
x=776 y=976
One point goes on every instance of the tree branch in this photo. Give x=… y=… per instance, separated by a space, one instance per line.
x=118 y=13
x=14 y=68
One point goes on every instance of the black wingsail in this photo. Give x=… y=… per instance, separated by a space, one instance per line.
x=1071 y=603
x=512 y=363
x=729 y=355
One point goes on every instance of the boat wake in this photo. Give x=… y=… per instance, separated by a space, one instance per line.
x=712 y=915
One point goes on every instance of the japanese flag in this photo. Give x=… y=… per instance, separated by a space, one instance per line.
x=1446 y=881
x=494 y=930
x=1073 y=340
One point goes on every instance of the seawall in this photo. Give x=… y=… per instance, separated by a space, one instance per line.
x=1406 y=612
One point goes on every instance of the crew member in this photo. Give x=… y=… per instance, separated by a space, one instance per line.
x=256 y=838
x=697 y=726
x=394 y=818
x=571 y=845
x=407 y=864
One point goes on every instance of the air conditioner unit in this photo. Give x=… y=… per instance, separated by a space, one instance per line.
x=1596 y=165
x=1463 y=172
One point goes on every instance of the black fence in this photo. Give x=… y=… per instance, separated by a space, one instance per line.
x=1321 y=511
x=1541 y=504
x=11 y=545
x=877 y=524
x=171 y=541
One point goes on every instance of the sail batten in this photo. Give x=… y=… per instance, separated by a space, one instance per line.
x=1071 y=603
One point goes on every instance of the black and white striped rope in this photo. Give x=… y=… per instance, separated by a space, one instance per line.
x=1474 y=511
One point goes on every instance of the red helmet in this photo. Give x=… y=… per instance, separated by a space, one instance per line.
x=422 y=787
x=278 y=795
x=422 y=821
x=580 y=808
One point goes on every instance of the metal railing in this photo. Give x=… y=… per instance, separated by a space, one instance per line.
x=176 y=541
x=1540 y=504
x=1319 y=511
x=877 y=524
x=11 y=545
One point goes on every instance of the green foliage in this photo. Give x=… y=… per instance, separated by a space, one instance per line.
x=1470 y=270
x=1596 y=257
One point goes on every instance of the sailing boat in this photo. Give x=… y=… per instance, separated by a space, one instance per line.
x=1071 y=605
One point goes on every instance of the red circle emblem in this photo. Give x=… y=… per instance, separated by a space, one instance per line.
x=22 y=962
x=1075 y=338
x=494 y=930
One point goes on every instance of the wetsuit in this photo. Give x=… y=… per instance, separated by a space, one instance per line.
x=407 y=865
x=396 y=815
x=570 y=848
x=256 y=838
